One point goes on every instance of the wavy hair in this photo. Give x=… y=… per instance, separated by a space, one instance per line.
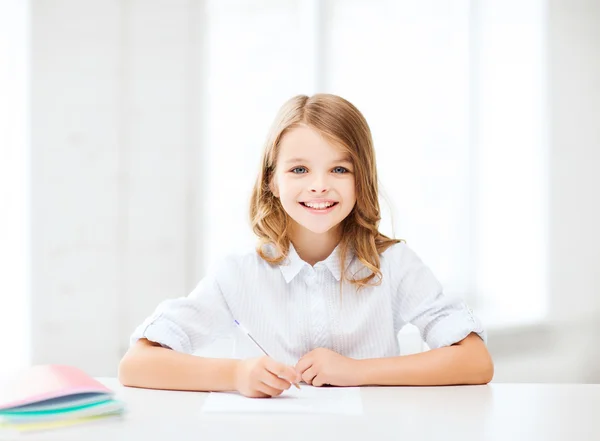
x=344 y=125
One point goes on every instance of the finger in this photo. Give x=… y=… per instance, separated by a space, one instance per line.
x=303 y=364
x=282 y=370
x=256 y=394
x=274 y=381
x=268 y=390
x=309 y=375
x=318 y=381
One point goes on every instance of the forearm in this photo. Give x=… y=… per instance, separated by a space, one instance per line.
x=155 y=367
x=443 y=366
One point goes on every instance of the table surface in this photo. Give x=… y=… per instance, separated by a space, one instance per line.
x=497 y=411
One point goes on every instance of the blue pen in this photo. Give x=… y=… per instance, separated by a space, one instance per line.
x=245 y=331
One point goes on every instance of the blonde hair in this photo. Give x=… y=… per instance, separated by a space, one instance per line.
x=342 y=124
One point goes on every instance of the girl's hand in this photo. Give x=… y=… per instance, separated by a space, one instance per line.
x=322 y=366
x=263 y=377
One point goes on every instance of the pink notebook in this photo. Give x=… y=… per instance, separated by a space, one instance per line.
x=50 y=386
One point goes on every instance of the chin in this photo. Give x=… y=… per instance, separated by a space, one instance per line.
x=315 y=226
x=318 y=229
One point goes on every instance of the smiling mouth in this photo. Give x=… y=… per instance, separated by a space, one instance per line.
x=319 y=206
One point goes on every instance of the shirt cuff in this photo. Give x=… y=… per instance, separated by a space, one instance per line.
x=454 y=328
x=161 y=330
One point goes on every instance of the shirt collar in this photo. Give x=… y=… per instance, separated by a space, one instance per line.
x=293 y=264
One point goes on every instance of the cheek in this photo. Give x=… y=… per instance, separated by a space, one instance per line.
x=289 y=189
x=281 y=186
x=350 y=192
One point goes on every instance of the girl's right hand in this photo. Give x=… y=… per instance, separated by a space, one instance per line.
x=264 y=377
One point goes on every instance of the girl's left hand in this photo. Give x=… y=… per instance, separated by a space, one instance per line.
x=323 y=366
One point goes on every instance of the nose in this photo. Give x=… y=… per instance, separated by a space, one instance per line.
x=319 y=185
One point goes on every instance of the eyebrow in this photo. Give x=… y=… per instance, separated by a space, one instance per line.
x=302 y=160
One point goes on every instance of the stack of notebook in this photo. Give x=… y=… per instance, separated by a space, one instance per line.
x=49 y=396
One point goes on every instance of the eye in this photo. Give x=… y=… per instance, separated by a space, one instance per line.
x=340 y=170
x=298 y=170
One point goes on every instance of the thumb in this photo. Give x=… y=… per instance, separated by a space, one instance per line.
x=282 y=370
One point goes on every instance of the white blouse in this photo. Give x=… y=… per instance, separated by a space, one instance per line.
x=293 y=308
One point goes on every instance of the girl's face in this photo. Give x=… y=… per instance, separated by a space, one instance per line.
x=314 y=180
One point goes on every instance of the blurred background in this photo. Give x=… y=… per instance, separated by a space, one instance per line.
x=131 y=131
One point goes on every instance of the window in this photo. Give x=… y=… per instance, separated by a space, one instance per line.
x=510 y=159
x=453 y=92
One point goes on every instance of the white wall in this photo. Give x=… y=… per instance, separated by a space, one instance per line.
x=567 y=349
x=116 y=149
x=114 y=137
x=575 y=157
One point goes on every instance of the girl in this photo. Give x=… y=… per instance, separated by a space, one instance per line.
x=324 y=293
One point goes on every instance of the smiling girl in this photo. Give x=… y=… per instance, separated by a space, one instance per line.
x=324 y=292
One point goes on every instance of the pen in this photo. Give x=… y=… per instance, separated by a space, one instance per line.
x=245 y=331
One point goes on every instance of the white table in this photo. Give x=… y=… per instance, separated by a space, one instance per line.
x=493 y=412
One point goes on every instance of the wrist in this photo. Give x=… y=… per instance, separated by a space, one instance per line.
x=361 y=373
x=235 y=374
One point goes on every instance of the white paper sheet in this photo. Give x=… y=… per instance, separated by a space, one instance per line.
x=309 y=399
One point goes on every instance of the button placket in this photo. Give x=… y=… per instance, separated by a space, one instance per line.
x=319 y=312
x=311 y=278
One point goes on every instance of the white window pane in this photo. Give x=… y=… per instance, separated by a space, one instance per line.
x=512 y=161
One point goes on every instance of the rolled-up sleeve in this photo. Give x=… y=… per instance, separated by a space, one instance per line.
x=441 y=319
x=189 y=323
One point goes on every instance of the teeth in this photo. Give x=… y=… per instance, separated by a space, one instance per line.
x=319 y=206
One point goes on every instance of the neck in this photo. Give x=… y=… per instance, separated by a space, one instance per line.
x=314 y=247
